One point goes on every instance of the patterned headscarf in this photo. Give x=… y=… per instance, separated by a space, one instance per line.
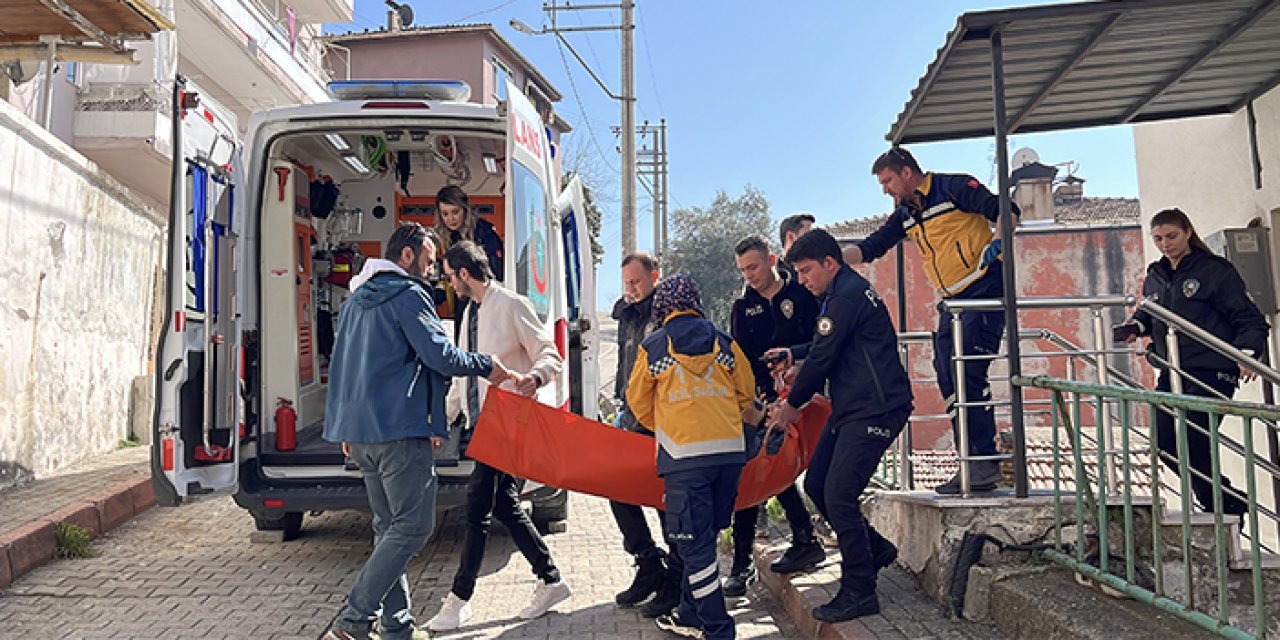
x=679 y=292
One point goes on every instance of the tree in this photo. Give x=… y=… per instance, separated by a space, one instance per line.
x=702 y=241
x=577 y=162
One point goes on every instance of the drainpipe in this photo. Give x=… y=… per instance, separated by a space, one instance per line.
x=46 y=101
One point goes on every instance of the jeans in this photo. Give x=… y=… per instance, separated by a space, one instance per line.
x=842 y=466
x=700 y=504
x=1198 y=444
x=744 y=526
x=400 y=478
x=982 y=331
x=493 y=493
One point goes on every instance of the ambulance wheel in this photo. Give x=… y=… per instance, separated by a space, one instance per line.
x=290 y=523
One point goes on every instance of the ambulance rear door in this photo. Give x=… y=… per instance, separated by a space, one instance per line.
x=197 y=421
x=580 y=287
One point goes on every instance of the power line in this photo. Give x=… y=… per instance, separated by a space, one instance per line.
x=480 y=13
x=653 y=80
x=583 y=111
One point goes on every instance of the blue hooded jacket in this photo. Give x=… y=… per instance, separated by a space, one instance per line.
x=391 y=363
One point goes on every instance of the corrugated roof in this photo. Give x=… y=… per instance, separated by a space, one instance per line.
x=445 y=29
x=1096 y=63
x=932 y=468
x=1098 y=211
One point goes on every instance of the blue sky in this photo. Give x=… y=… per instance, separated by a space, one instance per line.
x=793 y=98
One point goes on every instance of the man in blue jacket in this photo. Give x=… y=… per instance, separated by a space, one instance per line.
x=855 y=352
x=386 y=405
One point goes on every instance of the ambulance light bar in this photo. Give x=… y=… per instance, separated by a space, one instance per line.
x=447 y=90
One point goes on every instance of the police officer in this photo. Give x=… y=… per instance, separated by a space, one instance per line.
x=1206 y=289
x=855 y=348
x=949 y=217
x=773 y=311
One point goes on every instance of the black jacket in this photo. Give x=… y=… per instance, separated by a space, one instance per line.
x=758 y=325
x=635 y=321
x=487 y=237
x=1206 y=290
x=855 y=347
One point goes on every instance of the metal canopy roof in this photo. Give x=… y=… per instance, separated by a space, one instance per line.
x=1096 y=63
x=25 y=21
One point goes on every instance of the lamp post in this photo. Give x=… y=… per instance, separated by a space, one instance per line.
x=627 y=98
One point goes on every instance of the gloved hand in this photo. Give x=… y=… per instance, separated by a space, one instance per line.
x=991 y=253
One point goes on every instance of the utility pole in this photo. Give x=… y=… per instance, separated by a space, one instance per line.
x=653 y=169
x=628 y=97
x=628 y=125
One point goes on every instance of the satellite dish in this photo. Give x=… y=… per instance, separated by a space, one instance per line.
x=406 y=14
x=1025 y=156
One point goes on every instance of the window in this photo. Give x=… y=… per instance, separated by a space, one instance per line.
x=532 y=271
x=569 y=231
x=500 y=77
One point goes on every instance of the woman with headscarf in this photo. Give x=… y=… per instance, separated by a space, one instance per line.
x=693 y=387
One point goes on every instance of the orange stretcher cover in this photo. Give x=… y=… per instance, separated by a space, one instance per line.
x=522 y=437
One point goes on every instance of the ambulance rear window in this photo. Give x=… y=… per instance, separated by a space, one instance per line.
x=532 y=277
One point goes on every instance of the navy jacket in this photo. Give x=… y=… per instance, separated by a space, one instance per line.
x=487 y=237
x=391 y=361
x=1207 y=290
x=855 y=347
x=758 y=325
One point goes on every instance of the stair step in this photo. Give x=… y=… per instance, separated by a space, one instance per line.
x=1171 y=518
x=1242 y=559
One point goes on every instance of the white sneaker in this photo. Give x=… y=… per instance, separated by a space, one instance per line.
x=453 y=614
x=545 y=597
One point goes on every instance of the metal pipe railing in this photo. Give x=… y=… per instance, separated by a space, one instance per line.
x=1173 y=320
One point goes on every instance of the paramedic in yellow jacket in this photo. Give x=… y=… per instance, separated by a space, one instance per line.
x=693 y=387
x=949 y=217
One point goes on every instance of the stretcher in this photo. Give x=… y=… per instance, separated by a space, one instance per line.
x=530 y=440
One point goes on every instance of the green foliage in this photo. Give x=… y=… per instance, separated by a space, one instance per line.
x=128 y=443
x=73 y=541
x=594 y=214
x=775 y=511
x=702 y=241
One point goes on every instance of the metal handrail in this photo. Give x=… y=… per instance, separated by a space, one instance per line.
x=1040 y=302
x=1209 y=340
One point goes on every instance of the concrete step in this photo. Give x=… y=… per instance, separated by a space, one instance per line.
x=1051 y=604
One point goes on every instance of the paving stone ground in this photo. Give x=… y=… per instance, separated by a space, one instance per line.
x=31 y=501
x=192 y=572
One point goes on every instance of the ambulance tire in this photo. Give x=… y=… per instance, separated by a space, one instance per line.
x=290 y=523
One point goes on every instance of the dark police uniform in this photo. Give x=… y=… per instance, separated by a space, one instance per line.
x=951 y=226
x=1208 y=291
x=855 y=347
x=757 y=325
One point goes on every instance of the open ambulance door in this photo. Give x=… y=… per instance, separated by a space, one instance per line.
x=197 y=425
x=580 y=283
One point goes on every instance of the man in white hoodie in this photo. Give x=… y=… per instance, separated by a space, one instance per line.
x=504 y=323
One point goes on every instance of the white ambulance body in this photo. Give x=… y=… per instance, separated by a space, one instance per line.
x=263 y=241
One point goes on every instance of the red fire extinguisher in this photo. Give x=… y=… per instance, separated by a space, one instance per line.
x=286 y=425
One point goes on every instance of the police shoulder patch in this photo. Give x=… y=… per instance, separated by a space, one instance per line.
x=825 y=325
x=1190 y=286
x=788 y=308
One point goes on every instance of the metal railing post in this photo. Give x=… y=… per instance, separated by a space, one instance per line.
x=1106 y=462
x=1184 y=476
x=962 y=413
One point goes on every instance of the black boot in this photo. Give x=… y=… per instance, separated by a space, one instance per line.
x=735 y=586
x=847 y=606
x=802 y=556
x=649 y=576
x=883 y=552
x=668 y=597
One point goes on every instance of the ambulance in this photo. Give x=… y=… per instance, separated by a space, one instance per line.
x=264 y=237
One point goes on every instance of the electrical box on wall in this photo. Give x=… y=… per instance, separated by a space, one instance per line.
x=1250 y=251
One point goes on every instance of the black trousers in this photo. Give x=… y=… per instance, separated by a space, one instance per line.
x=1198 y=444
x=636 y=539
x=493 y=494
x=841 y=469
x=744 y=526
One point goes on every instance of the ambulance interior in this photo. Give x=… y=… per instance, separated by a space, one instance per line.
x=329 y=202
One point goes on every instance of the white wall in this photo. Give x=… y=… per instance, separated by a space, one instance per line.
x=75 y=301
